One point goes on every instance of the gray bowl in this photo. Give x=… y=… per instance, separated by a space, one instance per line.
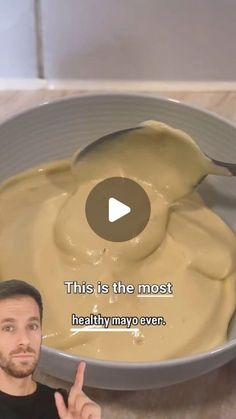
x=56 y=130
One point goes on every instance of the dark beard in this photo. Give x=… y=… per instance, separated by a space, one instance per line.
x=11 y=370
x=17 y=371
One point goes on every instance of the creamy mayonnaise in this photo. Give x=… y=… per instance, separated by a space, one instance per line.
x=45 y=239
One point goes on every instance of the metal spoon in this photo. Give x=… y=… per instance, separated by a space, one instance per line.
x=114 y=136
x=100 y=141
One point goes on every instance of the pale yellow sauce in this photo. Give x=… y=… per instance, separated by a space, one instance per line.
x=45 y=239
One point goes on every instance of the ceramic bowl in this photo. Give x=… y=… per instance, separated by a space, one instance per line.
x=56 y=130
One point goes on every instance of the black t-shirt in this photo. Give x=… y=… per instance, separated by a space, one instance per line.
x=38 y=405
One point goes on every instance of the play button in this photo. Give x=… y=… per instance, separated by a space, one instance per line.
x=117 y=209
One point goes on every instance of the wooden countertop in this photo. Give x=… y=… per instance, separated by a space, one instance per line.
x=211 y=396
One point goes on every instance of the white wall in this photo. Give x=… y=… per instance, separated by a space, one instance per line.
x=17 y=39
x=140 y=39
x=121 y=39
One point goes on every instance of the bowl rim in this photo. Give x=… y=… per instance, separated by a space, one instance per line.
x=165 y=363
x=225 y=347
x=169 y=100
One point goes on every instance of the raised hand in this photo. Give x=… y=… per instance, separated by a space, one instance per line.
x=79 y=405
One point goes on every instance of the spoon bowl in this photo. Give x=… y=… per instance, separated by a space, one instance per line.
x=116 y=136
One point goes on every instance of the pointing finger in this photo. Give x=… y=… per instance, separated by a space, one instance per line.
x=76 y=389
x=79 y=379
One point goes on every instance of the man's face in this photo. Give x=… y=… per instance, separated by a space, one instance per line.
x=20 y=336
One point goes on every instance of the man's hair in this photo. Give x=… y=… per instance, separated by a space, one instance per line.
x=16 y=287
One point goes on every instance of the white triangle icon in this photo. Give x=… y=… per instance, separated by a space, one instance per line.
x=116 y=209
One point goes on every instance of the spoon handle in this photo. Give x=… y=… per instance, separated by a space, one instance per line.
x=230 y=166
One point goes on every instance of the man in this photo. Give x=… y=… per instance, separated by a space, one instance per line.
x=21 y=312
